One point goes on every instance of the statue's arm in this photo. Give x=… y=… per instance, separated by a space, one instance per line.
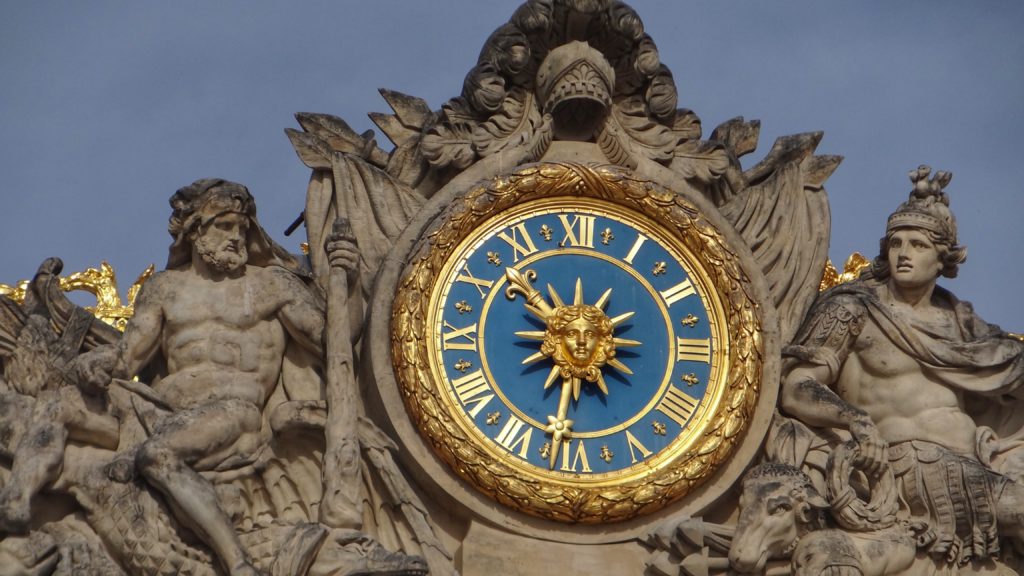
x=816 y=361
x=141 y=337
x=302 y=313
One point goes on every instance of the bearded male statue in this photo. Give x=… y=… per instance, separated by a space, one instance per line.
x=219 y=319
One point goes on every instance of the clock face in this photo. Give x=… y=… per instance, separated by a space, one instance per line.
x=576 y=341
x=577 y=344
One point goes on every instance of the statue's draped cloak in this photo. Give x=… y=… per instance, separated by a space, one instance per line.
x=378 y=208
x=984 y=360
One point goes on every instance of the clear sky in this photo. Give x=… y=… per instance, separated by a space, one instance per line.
x=107 y=108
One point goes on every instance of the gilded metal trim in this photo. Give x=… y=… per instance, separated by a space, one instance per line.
x=854 y=265
x=100 y=282
x=567 y=502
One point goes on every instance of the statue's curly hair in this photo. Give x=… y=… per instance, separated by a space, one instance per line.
x=203 y=200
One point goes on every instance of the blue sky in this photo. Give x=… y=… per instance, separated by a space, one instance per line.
x=107 y=108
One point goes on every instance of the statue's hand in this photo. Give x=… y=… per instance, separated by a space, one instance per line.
x=95 y=368
x=874 y=451
x=341 y=248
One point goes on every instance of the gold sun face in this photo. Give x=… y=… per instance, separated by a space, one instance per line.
x=595 y=408
x=579 y=339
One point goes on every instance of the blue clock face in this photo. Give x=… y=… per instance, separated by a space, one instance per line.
x=577 y=340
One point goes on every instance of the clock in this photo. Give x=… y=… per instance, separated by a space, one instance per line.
x=577 y=344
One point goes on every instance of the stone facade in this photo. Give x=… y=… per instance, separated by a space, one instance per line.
x=265 y=413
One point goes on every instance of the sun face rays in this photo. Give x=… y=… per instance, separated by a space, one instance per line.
x=578 y=367
x=579 y=339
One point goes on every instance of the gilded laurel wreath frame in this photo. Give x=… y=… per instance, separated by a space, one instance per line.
x=496 y=479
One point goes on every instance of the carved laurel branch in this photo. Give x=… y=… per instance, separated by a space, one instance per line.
x=565 y=502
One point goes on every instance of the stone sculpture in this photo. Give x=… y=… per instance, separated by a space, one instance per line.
x=223 y=424
x=888 y=412
x=221 y=320
x=898 y=362
x=254 y=418
x=783 y=516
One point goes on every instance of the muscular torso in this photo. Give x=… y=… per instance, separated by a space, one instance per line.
x=221 y=340
x=902 y=400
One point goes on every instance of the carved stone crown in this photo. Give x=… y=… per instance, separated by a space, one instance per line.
x=928 y=206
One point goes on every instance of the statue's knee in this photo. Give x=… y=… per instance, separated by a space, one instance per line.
x=153 y=459
x=49 y=410
x=42 y=436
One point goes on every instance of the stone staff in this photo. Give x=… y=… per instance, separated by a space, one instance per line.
x=342 y=503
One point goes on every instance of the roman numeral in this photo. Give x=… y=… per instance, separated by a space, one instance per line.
x=677 y=405
x=678 y=292
x=473 y=389
x=509 y=439
x=580 y=232
x=693 y=350
x=467 y=333
x=634 y=445
x=513 y=241
x=481 y=285
x=640 y=239
x=578 y=460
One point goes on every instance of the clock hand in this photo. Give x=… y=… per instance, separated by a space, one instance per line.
x=558 y=426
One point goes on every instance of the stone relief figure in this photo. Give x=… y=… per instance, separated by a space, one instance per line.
x=220 y=317
x=917 y=380
x=36 y=362
x=896 y=448
x=43 y=410
x=220 y=443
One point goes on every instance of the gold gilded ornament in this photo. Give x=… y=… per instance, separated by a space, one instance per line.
x=854 y=265
x=627 y=445
x=102 y=284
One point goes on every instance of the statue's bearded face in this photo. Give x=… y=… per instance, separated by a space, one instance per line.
x=914 y=259
x=579 y=338
x=221 y=242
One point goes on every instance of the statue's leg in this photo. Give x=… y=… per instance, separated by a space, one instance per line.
x=164 y=460
x=1010 y=511
x=88 y=419
x=37 y=462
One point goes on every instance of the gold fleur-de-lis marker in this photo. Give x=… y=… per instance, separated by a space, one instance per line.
x=463 y=307
x=607 y=454
x=546 y=232
x=659 y=268
x=690 y=320
x=659 y=428
x=463 y=365
x=607 y=236
x=493 y=418
x=494 y=258
x=691 y=379
x=545 y=450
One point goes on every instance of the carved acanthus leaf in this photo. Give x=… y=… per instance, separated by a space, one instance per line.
x=517 y=122
x=337 y=134
x=793 y=148
x=405 y=130
x=700 y=160
x=450 y=141
x=314 y=152
x=687 y=125
x=629 y=133
x=817 y=169
x=740 y=136
x=411 y=112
